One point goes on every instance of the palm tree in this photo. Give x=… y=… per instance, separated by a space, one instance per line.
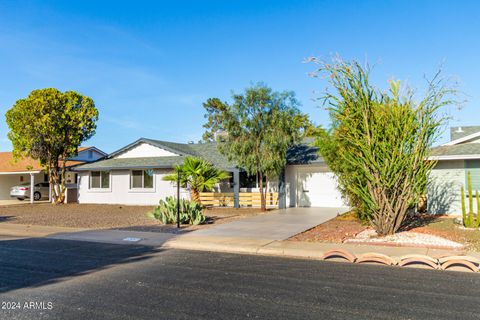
x=198 y=175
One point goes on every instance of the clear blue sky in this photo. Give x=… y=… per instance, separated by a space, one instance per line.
x=149 y=65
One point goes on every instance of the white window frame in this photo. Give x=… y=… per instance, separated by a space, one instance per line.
x=142 y=189
x=109 y=189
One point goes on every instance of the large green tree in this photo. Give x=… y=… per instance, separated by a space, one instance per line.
x=379 y=141
x=198 y=175
x=49 y=126
x=256 y=129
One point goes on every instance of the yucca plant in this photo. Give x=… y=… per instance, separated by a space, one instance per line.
x=379 y=140
x=190 y=212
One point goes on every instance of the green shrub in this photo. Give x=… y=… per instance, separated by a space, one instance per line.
x=191 y=212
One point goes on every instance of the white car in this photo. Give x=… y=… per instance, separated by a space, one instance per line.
x=22 y=191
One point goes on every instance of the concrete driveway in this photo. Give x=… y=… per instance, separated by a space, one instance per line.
x=276 y=225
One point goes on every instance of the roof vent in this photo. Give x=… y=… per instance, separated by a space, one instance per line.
x=459 y=129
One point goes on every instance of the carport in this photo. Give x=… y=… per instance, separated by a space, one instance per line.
x=16 y=171
x=11 y=179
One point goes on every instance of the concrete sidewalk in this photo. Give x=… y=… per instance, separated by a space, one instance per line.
x=26 y=231
x=154 y=239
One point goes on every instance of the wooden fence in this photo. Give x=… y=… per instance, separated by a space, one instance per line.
x=246 y=199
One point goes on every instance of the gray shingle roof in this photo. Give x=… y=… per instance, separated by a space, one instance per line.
x=207 y=151
x=300 y=154
x=304 y=153
x=456 y=150
x=465 y=131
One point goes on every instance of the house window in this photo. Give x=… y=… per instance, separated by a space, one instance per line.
x=99 y=180
x=90 y=154
x=472 y=166
x=141 y=179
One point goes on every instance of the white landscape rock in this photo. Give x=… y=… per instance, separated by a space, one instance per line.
x=405 y=239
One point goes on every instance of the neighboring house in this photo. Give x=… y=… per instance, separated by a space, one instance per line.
x=455 y=159
x=133 y=175
x=13 y=172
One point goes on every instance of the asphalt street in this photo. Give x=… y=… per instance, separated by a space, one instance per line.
x=58 y=279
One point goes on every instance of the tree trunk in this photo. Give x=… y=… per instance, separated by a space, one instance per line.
x=57 y=183
x=391 y=207
x=195 y=195
x=263 y=206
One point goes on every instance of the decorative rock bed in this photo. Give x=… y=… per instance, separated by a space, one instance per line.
x=410 y=239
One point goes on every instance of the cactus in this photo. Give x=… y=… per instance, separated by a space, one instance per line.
x=470 y=200
x=477 y=225
x=166 y=211
x=464 y=210
x=470 y=221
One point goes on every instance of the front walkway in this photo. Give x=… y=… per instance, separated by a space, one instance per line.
x=277 y=225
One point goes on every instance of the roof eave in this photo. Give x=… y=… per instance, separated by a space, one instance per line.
x=462 y=139
x=19 y=172
x=141 y=167
x=454 y=157
x=124 y=168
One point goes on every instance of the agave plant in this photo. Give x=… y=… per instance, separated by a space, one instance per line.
x=198 y=175
x=166 y=212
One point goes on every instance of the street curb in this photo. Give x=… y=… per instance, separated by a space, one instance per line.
x=425 y=258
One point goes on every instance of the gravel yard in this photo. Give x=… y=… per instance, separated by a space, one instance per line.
x=101 y=216
x=423 y=230
x=405 y=239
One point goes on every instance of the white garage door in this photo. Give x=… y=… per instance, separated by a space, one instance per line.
x=317 y=187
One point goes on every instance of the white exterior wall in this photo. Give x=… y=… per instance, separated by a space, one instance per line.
x=145 y=150
x=10 y=180
x=443 y=188
x=120 y=192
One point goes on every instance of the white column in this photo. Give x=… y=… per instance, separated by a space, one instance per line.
x=32 y=186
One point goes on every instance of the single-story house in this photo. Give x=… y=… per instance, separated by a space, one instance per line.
x=14 y=172
x=133 y=175
x=454 y=160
